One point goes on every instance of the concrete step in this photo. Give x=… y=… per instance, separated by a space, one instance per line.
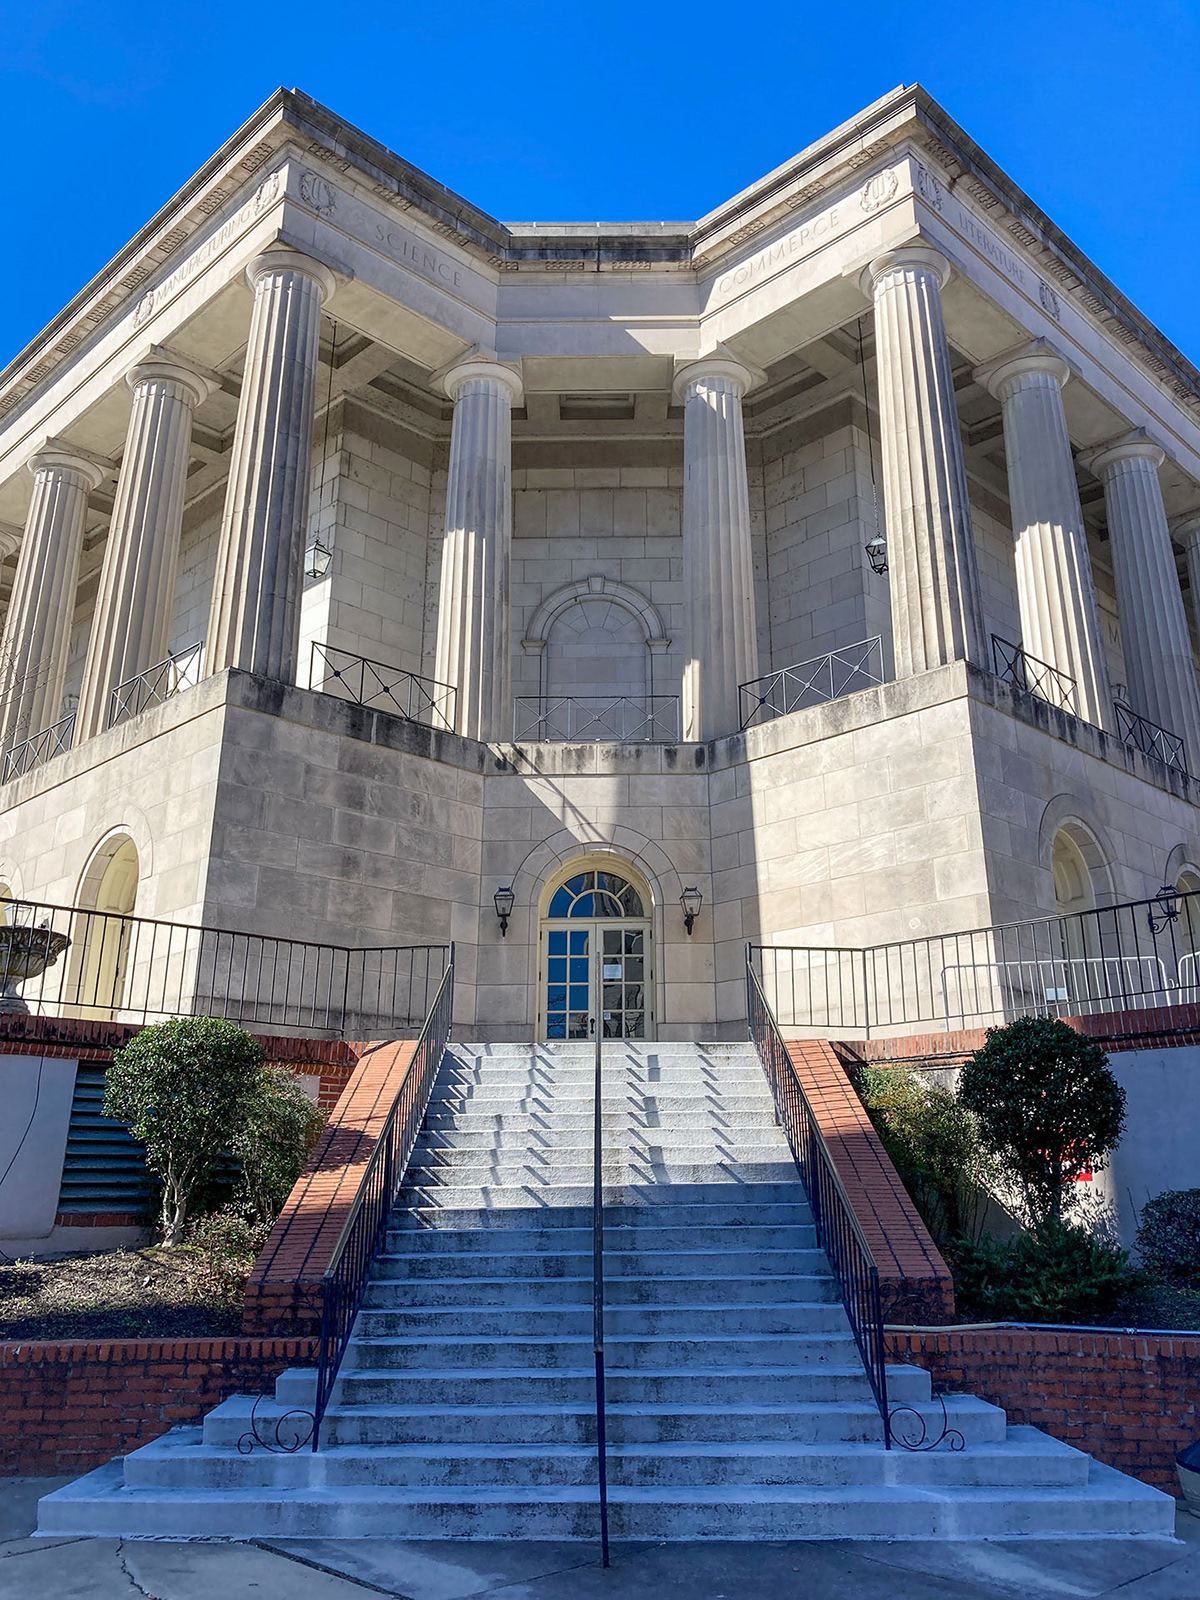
x=424 y=1260
x=552 y=1227
x=485 y=1101
x=517 y=1320
x=491 y=1385
x=650 y=1291
x=521 y=1126
x=1108 y=1505
x=625 y=1352
x=575 y=1149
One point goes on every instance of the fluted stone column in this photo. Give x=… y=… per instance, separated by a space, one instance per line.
x=255 y=619
x=132 y=625
x=37 y=630
x=1187 y=531
x=937 y=614
x=718 y=566
x=1056 y=594
x=1159 y=669
x=473 y=647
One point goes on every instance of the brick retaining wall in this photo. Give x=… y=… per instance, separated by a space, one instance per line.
x=71 y=1406
x=1131 y=1400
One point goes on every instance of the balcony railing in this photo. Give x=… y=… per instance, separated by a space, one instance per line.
x=62 y=961
x=31 y=753
x=649 y=719
x=156 y=684
x=1149 y=738
x=379 y=687
x=812 y=683
x=1018 y=667
x=1128 y=957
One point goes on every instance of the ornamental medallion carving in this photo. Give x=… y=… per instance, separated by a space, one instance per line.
x=1049 y=300
x=145 y=307
x=928 y=188
x=877 y=191
x=267 y=192
x=318 y=194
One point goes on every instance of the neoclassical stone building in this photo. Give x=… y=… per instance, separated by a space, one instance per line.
x=835 y=556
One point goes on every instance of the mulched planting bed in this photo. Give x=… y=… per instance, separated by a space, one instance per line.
x=162 y=1292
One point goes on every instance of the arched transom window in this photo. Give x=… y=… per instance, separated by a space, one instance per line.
x=596 y=894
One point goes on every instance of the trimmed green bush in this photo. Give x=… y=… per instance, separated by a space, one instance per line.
x=184 y=1087
x=1168 y=1236
x=1060 y=1274
x=933 y=1143
x=1049 y=1109
x=280 y=1126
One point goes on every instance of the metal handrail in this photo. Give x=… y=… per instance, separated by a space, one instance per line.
x=597 y=719
x=838 y=1229
x=344 y=1280
x=1014 y=664
x=38 y=748
x=1146 y=736
x=598 y=1256
x=380 y=687
x=814 y=682
x=111 y=966
x=156 y=684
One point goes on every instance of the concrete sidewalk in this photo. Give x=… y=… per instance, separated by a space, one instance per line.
x=110 y=1569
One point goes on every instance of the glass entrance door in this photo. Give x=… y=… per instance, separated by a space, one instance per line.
x=596 y=917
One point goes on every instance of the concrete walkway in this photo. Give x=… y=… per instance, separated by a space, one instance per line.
x=110 y=1569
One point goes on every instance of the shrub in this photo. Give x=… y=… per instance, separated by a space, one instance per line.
x=1168 y=1236
x=932 y=1141
x=280 y=1127
x=183 y=1087
x=1049 y=1109
x=1060 y=1274
x=229 y=1243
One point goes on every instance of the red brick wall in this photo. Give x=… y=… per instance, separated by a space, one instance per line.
x=73 y=1406
x=915 y=1282
x=283 y=1294
x=1131 y=1400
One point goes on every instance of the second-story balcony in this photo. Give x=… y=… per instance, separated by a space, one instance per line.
x=597 y=719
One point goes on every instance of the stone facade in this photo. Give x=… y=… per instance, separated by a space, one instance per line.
x=543 y=499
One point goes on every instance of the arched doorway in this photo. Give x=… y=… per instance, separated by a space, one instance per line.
x=109 y=886
x=595 y=916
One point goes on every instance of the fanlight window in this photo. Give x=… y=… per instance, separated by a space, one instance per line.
x=596 y=894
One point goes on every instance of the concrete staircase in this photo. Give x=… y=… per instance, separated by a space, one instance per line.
x=738 y=1406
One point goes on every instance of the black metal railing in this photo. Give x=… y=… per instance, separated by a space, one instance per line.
x=1149 y=738
x=812 y=683
x=1133 y=956
x=598 y=1260
x=105 y=966
x=365 y=1228
x=597 y=719
x=1016 y=666
x=42 y=747
x=156 y=684
x=838 y=1230
x=379 y=687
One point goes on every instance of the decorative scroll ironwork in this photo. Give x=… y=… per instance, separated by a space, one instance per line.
x=838 y=1230
x=366 y=1225
x=1113 y=958
x=812 y=683
x=379 y=687
x=1016 y=666
x=1149 y=738
x=138 y=969
x=156 y=684
x=624 y=719
x=42 y=747
x=921 y=1441
x=277 y=1442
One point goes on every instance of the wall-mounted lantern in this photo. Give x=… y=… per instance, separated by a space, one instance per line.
x=316 y=559
x=876 y=549
x=1167 y=900
x=691 y=900
x=503 y=899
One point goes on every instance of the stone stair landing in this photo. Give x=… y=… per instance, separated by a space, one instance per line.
x=738 y=1407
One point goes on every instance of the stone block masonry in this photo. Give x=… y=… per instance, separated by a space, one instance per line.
x=1130 y=1399
x=71 y=1406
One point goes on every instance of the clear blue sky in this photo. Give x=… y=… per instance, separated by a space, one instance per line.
x=598 y=109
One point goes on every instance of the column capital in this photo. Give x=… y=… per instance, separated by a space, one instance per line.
x=10 y=538
x=1104 y=460
x=923 y=256
x=66 y=457
x=998 y=375
x=478 y=364
x=160 y=363
x=718 y=364
x=292 y=261
x=1187 y=530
